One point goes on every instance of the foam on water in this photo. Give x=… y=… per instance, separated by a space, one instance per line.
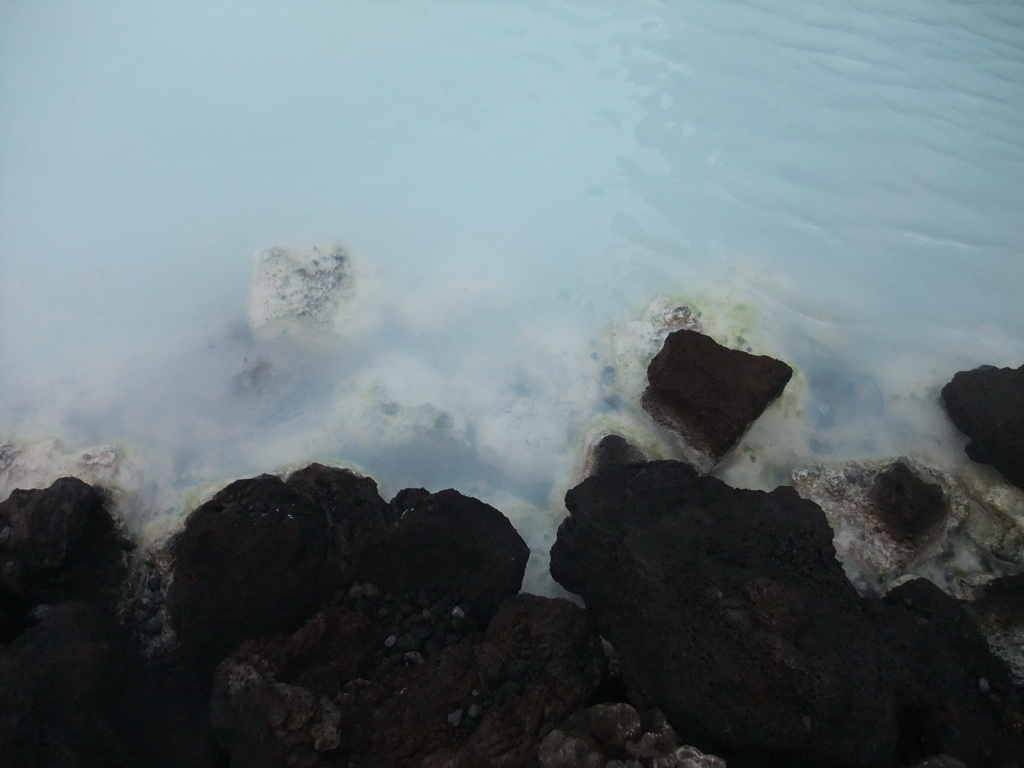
x=836 y=186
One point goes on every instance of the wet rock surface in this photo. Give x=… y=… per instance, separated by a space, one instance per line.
x=987 y=405
x=710 y=394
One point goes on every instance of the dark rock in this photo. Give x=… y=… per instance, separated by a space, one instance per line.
x=611 y=451
x=263 y=554
x=60 y=545
x=909 y=507
x=74 y=694
x=318 y=697
x=998 y=609
x=447 y=542
x=953 y=697
x=987 y=405
x=710 y=394
x=731 y=614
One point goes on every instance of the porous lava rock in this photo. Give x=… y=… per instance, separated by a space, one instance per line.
x=953 y=696
x=710 y=394
x=448 y=542
x=328 y=695
x=987 y=405
x=263 y=554
x=731 y=614
x=889 y=517
x=58 y=544
x=616 y=734
x=73 y=693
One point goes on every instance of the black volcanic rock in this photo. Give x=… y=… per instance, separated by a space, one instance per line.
x=447 y=542
x=987 y=405
x=58 y=544
x=953 y=696
x=73 y=693
x=263 y=554
x=708 y=393
x=730 y=614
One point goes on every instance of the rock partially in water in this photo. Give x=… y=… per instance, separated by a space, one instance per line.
x=710 y=394
x=731 y=614
x=609 y=451
x=294 y=290
x=889 y=517
x=987 y=405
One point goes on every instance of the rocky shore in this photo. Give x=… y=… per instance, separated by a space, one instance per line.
x=306 y=621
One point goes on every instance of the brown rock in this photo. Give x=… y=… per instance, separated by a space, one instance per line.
x=710 y=394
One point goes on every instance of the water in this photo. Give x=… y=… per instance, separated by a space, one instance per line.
x=840 y=187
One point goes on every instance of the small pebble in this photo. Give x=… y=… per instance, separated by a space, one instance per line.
x=458 y=613
x=426 y=614
x=983 y=685
x=454 y=718
x=392 y=639
x=371 y=591
x=414 y=657
x=475 y=711
x=356 y=591
x=5 y=534
x=475 y=692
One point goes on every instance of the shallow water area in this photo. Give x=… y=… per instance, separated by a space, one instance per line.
x=838 y=187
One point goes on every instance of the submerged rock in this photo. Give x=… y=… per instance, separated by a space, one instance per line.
x=731 y=614
x=987 y=405
x=710 y=394
x=293 y=289
x=889 y=517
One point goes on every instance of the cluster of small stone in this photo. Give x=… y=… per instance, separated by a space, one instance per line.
x=417 y=624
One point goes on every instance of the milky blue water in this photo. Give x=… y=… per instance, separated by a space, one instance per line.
x=840 y=185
